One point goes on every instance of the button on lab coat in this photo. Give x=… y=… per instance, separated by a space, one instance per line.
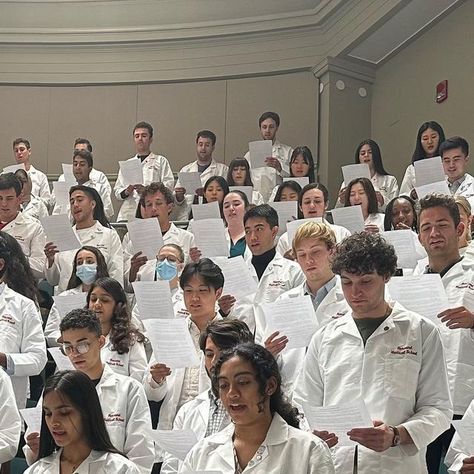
x=10 y=423
x=400 y=374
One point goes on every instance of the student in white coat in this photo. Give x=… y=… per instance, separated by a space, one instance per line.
x=22 y=343
x=123 y=400
x=264 y=434
x=156 y=168
x=40 y=185
x=26 y=230
x=30 y=205
x=206 y=415
x=440 y=229
x=205 y=165
x=390 y=357
x=73 y=434
x=156 y=202
x=313 y=246
x=10 y=422
x=239 y=175
x=265 y=179
x=92 y=228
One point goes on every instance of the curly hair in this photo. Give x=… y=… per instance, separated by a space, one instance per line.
x=365 y=253
x=388 y=219
x=439 y=200
x=102 y=270
x=265 y=367
x=123 y=333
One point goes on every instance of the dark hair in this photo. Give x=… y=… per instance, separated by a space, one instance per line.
x=453 y=143
x=207 y=134
x=176 y=247
x=83 y=141
x=78 y=389
x=222 y=183
x=102 y=270
x=269 y=115
x=157 y=187
x=10 y=181
x=388 y=219
x=207 y=270
x=17 y=272
x=265 y=367
x=439 y=200
x=376 y=156
x=293 y=185
x=242 y=195
x=225 y=334
x=99 y=214
x=123 y=334
x=17 y=141
x=364 y=253
x=305 y=152
x=85 y=155
x=145 y=125
x=81 y=319
x=419 y=153
x=263 y=211
x=373 y=206
x=235 y=163
x=24 y=176
x=310 y=186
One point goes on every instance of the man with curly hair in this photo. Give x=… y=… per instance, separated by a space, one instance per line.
x=390 y=357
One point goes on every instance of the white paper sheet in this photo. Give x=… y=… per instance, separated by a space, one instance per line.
x=13 y=168
x=287 y=212
x=132 y=171
x=248 y=190
x=210 y=238
x=465 y=430
x=209 y=210
x=292 y=227
x=32 y=417
x=429 y=170
x=351 y=172
x=190 y=181
x=145 y=236
x=293 y=317
x=303 y=181
x=259 y=151
x=68 y=174
x=238 y=281
x=171 y=342
x=440 y=187
x=61 y=193
x=349 y=217
x=66 y=303
x=404 y=244
x=339 y=419
x=424 y=294
x=62 y=361
x=176 y=442
x=153 y=299
x=59 y=231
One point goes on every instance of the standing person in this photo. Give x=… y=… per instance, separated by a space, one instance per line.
x=390 y=357
x=30 y=205
x=73 y=434
x=267 y=178
x=156 y=168
x=234 y=207
x=40 y=185
x=239 y=175
x=264 y=434
x=428 y=139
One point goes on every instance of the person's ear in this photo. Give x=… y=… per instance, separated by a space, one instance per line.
x=219 y=292
x=275 y=231
x=271 y=387
x=101 y=341
x=460 y=229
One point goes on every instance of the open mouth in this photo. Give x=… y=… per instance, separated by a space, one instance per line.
x=236 y=408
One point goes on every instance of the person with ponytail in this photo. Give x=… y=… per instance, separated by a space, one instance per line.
x=264 y=435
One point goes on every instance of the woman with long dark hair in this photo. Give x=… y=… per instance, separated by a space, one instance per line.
x=73 y=436
x=264 y=431
x=239 y=174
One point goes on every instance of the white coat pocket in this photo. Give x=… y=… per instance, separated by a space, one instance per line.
x=401 y=377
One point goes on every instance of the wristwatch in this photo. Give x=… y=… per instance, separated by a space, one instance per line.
x=396 y=436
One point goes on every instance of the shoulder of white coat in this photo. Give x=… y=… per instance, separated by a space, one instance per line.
x=400 y=314
x=293 y=293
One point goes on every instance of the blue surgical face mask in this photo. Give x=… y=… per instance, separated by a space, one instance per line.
x=166 y=270
x=87 y=273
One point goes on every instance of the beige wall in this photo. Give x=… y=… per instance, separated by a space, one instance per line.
x=51 y=117
x=404 y=90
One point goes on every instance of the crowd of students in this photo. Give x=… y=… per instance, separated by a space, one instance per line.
x=252 y=393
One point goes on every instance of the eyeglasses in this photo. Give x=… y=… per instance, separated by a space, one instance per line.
x=81 y=348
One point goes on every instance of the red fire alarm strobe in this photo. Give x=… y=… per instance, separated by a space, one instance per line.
x=442 y=91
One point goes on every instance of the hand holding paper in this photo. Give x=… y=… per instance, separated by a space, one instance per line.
x=145 y=235
x=132 y=171
x=59 y=231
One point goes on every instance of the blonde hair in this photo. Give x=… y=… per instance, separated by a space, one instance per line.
x=466 y=206
x=314 y=230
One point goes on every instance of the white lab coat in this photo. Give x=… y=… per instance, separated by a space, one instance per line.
x=35 y=208
x=10 y=422
x=100 y=177
x=156 y=168
x=466 y=189
x=400 y=374
x=97 y=462
x=30 y=235
x=409 y=181
x=284 y=450
x=181 y=209
x=105 y=239
x=40 y=185
x=265 y=179
x=21 y=339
